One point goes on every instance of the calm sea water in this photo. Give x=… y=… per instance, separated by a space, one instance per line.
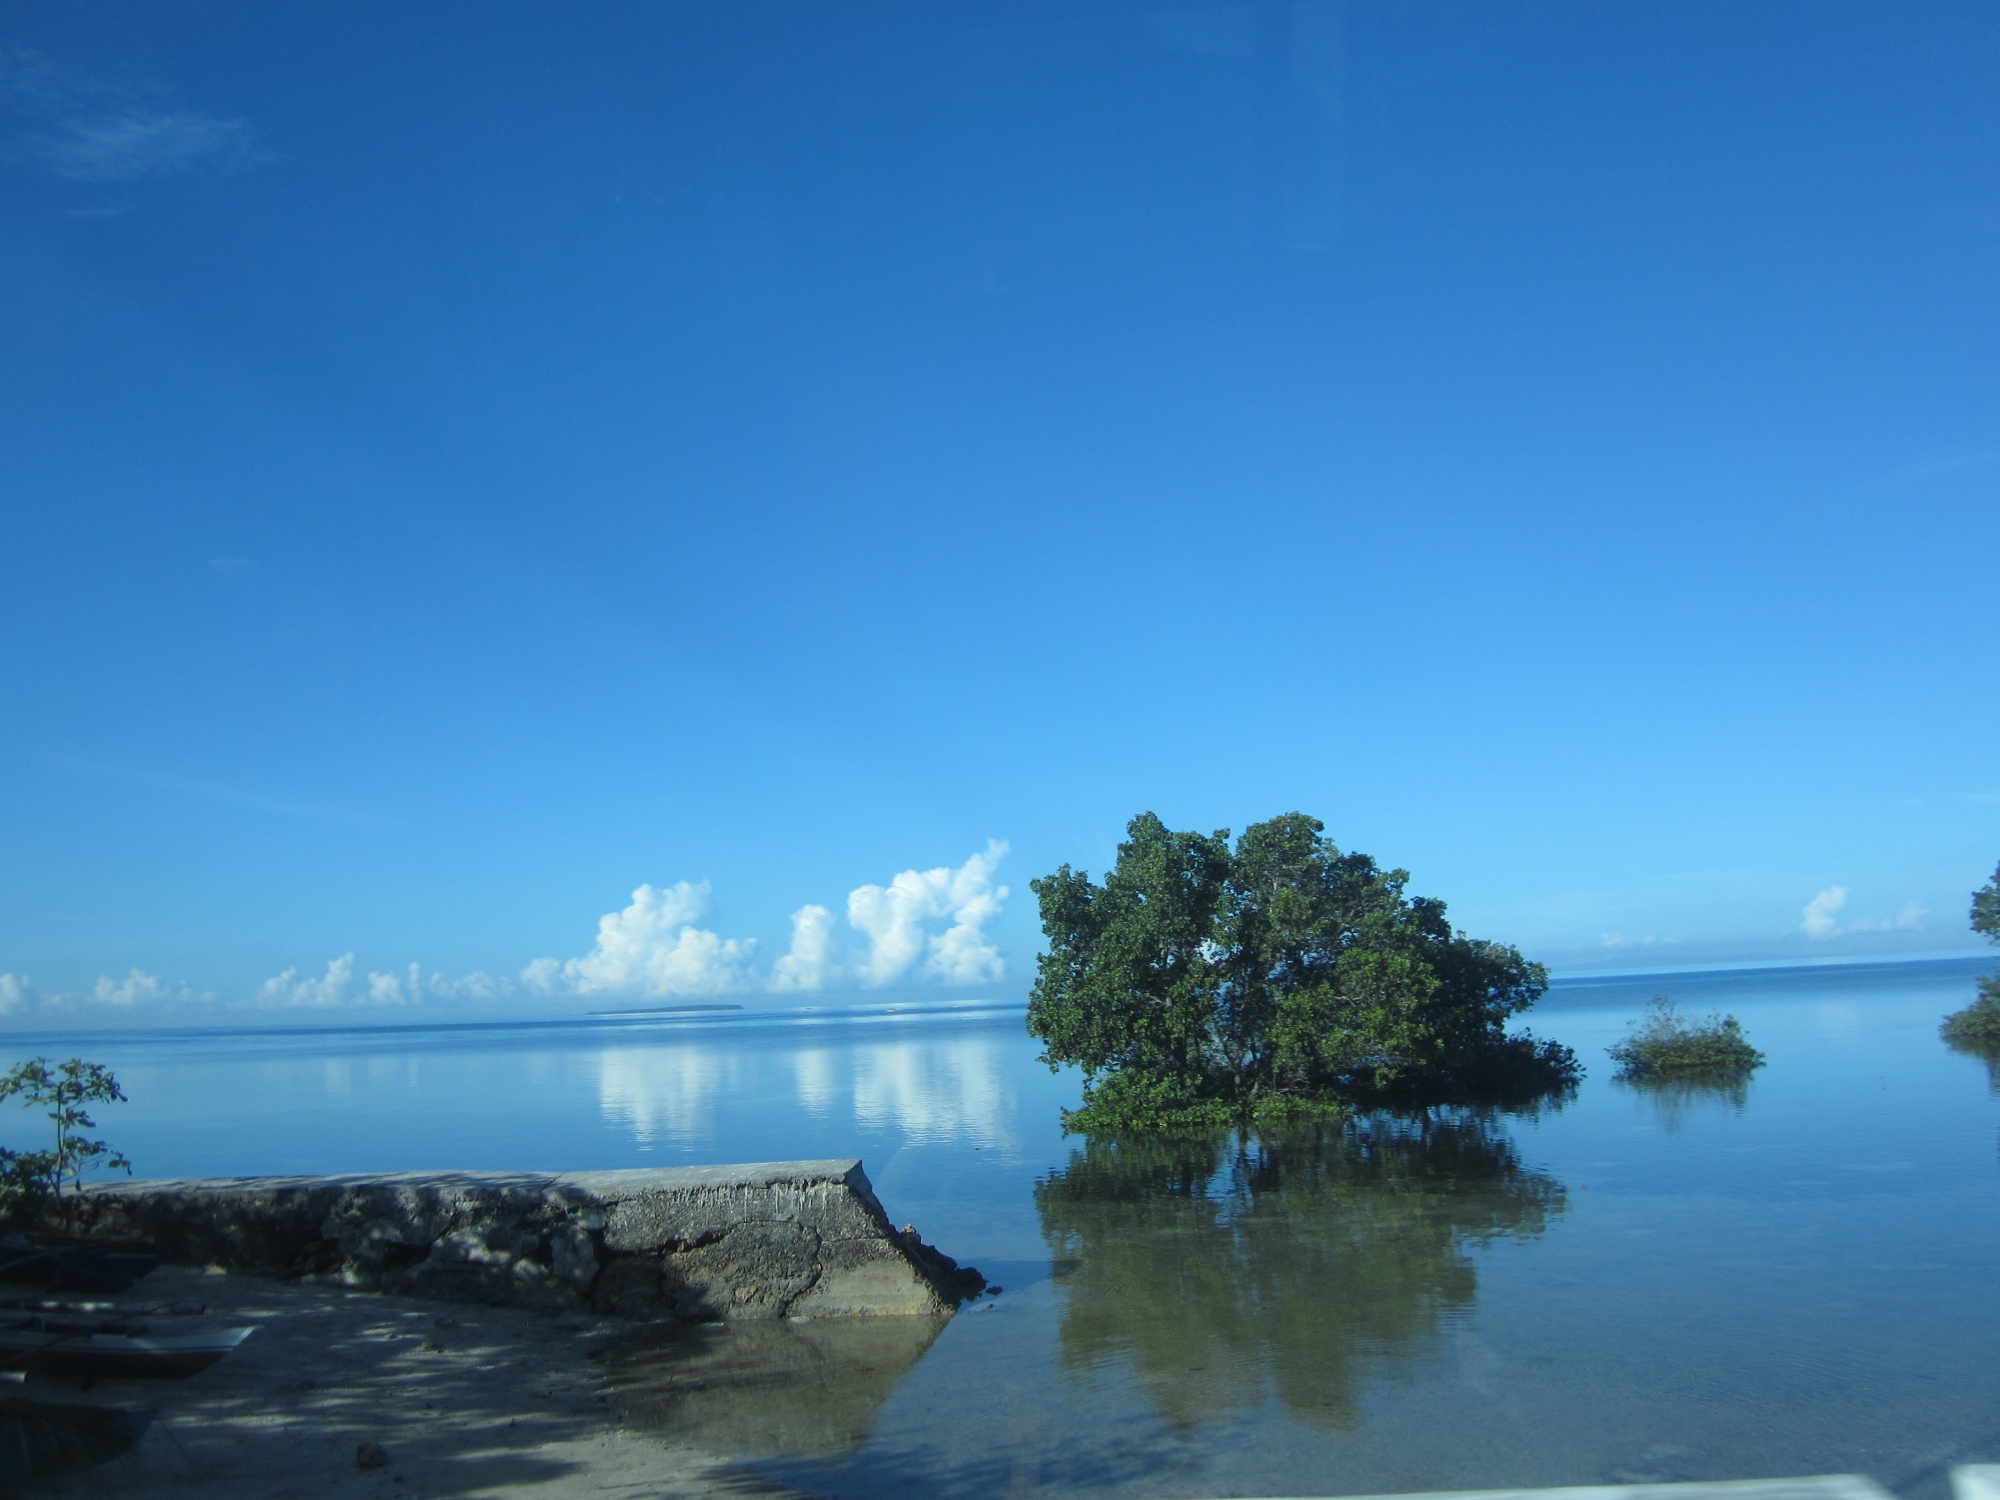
x=1799 y=1276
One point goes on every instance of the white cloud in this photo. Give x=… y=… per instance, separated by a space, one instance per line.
x=1906 y=920
x=329 y=990
x=144 y=143
x=812 y=960
x=652 y=949
x=93 y=132
x=137 y=991
x=1822 y=912
x=17 y=995
x=1822 y=916
x=140 y=988
x=892 y=917
x=476 y=986
x=924 y=926
x=1624 y=940
x=395 y=989
x=411 y=987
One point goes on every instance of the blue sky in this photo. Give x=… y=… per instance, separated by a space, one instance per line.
x=465 y=464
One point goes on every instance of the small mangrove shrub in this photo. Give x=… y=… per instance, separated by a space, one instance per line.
x=1977 y=1027
x=1664 y=1043
x=62 y=1091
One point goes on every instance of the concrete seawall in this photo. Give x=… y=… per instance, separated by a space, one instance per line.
x=803 y=1239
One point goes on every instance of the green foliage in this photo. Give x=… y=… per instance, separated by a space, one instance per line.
x=1202 y=983
x=31 y=1177
x=1664 y=1043
x=1120 y=1103
x=1986 y=908
x=1977 y=1027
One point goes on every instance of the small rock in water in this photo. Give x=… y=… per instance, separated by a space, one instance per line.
x=371 y=1456
x=444 y=1322
x=431 y=1346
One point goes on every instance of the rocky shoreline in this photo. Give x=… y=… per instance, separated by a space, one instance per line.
x=799 y=1240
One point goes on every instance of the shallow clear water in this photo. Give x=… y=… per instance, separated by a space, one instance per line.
x=1795 y=1277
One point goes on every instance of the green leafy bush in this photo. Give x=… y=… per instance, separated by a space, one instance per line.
x=1977 y=1027
x=1665 y=1043
x=1202 y=985
x=31 y=1178
x=1123 y=1103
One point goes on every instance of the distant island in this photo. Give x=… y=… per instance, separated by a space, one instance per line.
x=660 y=1010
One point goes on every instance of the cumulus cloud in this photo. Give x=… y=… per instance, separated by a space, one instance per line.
x=410 y=987
x=330 y=989
x=139 y=988
x=812 y=960
x=893 y=918
x=1822 y=913
x=89 y=131
x=17 y=995
x=1906 y=920
x=338 y=987
x=923 y=927
x=1822 y=916
x=137 y=991
x=653 y=948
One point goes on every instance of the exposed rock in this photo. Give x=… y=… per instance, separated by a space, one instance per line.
x=780 y=1239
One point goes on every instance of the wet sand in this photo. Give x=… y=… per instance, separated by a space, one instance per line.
x=465 y=1401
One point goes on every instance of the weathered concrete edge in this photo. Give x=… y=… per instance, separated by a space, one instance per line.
x=754 y=1240
x=1809 y=1487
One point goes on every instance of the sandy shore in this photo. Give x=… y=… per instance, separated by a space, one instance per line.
x=466 y=1401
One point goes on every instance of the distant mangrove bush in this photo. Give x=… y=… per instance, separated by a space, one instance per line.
x=1977 y=1027
x=1666 y=1044
x=1279 y=979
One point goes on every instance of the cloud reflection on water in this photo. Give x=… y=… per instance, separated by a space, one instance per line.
x=668 y=1093
x=935 y=1089
x=956 y=1089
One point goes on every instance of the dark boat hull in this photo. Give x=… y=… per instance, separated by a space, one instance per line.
x=72 y=1269
x=42 y=1439
x=111 y=1352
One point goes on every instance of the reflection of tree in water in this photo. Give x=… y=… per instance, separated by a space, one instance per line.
x=1217 y=1266
x=1986 y=1052
x=1676 y=1098
x=762 y=1388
